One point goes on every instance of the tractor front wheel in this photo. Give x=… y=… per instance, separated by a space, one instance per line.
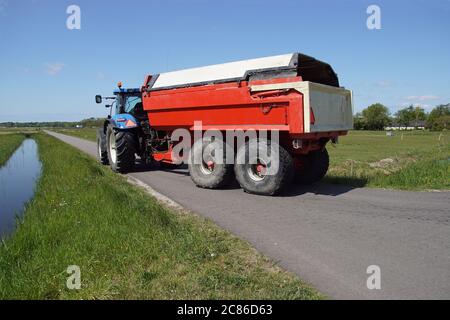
x=102 y=150
x=121 y=149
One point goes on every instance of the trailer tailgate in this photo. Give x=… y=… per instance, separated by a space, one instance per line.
x=326 y=108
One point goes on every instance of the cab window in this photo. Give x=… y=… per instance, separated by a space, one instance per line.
x=120 y=102
x=130 y=103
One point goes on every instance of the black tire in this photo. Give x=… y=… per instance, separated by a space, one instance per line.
x=313 y=167
x=125 y=148
x=102 y=151
x=211 y=177
x=255 y=182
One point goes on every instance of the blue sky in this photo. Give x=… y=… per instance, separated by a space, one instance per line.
x=48 y=72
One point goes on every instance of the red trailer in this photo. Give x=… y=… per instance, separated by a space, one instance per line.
x=294 y=95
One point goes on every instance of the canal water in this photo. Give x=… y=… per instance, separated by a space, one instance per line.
x=18 y=179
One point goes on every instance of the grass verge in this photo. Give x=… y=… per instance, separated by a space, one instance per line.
x=8 y=144
x=126 y=244
x=84 y=133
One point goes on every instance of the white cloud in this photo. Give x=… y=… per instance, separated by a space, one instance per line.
x=422 y=98
x=54 y=68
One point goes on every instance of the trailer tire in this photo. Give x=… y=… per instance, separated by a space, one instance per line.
x=312 y=167
x=251 y=179
x=102 y=150
x=208 y=176
x=121 y=149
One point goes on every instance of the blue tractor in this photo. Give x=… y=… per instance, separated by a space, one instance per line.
x=126 y=133
x=120 y=138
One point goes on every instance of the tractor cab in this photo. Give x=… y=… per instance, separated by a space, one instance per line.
x=126 y=107
x=129 y=101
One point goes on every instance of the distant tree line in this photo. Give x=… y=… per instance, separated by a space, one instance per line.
x=91 y=122
x=377 y=117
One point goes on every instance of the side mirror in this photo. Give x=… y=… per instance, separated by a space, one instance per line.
x=98 y=99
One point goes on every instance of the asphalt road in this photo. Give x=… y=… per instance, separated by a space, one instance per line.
x=329 y=234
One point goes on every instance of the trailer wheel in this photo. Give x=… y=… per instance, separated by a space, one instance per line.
x=205 y=169
x=121 y=149
x=256 y=167
x=102 y=150
x=312 y=167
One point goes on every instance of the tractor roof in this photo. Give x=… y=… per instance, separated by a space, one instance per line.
x=128 y=90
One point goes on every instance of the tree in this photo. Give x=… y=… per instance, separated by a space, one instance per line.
x=376 y=117
x=359 y=122
x=410 y=116
x=405 y=116
x=442 y=123
x=439 y=118
x=92 y=122
x=419 y=115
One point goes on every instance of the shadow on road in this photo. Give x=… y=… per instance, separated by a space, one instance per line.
x=181 y=170
x=320 y=188
x=141 y=166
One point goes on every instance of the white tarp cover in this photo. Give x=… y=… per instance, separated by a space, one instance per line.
x=222 y=71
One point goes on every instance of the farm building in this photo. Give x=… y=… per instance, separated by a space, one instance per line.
x=418 y=125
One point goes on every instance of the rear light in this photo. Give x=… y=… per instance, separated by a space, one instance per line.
x=311 y=117
x=130 y=123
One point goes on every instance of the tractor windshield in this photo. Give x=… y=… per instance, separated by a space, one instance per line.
x=131 y=102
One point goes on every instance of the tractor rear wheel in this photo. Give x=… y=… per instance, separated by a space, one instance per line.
x=261 y=171
x=312 y=167
x=121 y=149
x=102 y=150
x=206 y=169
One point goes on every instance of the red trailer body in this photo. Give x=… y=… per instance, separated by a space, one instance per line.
x=226 y=106
x=274 y=103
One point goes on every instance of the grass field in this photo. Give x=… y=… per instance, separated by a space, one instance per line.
x=84 y=133
x=126 y=245
x=8 y=144
x=26 y=130
x=412 y=160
